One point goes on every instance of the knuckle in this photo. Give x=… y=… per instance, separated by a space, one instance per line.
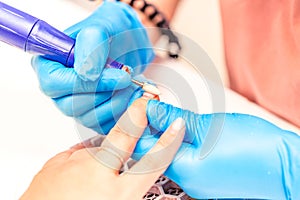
x=163 y=142
x=117 y=131
x=149 y=160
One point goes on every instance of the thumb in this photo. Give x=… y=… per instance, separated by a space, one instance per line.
x=91 y=52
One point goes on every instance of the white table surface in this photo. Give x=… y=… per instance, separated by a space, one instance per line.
x=32 y=128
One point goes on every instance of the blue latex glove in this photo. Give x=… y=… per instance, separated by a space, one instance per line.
x=251 y=157
x=94 y=104
x=94 y=95
x=113 y=30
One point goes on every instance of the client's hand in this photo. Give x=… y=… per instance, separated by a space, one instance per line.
x=94 y=172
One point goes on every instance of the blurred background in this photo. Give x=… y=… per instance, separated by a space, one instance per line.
x=33 y=130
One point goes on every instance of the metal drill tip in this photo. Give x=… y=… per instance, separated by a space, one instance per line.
x=141 y=84
x=147 y=87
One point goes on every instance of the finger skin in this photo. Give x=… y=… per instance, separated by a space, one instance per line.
x=156 y=161
x=123 y=136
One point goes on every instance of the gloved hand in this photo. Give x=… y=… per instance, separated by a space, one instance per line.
x=230 y=155
x=114 y=31
x=94 y=95
x=88 y=102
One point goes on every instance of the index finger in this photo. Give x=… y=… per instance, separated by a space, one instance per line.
x=56 y=80
x=123 y=137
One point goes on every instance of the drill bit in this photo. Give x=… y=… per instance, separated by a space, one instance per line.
x=147 y=87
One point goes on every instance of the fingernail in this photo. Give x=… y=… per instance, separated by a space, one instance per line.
x=148 y=96
x=178 y=125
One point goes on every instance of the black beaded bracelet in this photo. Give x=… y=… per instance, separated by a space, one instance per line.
x=174 y=44
x=174 y=47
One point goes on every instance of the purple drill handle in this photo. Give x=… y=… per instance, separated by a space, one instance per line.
x=35 y=36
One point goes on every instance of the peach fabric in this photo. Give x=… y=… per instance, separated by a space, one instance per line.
x=262 y=48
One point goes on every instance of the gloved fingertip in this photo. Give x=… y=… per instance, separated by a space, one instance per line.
x=91 y=51
x=87 y=72
x=123 y=80
x=114 y=79
x=90 y=67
